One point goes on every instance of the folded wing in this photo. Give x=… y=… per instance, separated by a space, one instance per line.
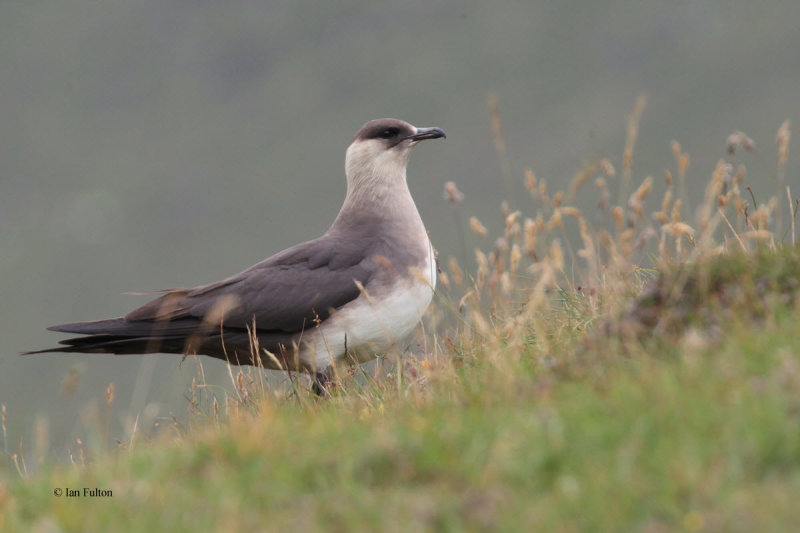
x=281 y=296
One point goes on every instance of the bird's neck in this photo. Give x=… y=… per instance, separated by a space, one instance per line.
x=381 y=198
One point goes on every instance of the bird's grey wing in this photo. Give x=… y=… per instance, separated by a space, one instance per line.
x=288 y=292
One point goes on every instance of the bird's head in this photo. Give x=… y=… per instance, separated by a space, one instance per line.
x=381 y=148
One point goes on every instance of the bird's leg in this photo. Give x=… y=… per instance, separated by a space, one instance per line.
x=322 y=383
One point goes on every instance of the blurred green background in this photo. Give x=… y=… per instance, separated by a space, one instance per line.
x=153 y=144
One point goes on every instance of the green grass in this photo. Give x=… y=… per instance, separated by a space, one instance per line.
x=703 y=435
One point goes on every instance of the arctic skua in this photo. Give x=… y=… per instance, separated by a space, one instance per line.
x=347 y=295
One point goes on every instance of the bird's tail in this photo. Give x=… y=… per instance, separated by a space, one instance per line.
x=120 y=336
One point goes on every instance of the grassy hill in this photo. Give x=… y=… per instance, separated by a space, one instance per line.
x=628 y=371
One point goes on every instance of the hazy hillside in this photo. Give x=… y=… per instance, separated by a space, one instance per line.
x=153 y=144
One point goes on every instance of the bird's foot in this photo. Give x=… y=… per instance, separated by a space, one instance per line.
x=322 y=384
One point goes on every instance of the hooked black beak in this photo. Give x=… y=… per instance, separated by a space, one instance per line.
x=427 y=133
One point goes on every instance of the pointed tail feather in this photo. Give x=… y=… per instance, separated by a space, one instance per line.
x=117 y=345
x=120 y=336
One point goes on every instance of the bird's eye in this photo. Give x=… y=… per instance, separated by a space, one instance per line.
x=388 y=133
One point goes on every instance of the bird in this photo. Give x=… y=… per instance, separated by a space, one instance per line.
x=344 y=297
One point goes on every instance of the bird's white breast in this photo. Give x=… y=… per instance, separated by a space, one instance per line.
x=374 y=321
